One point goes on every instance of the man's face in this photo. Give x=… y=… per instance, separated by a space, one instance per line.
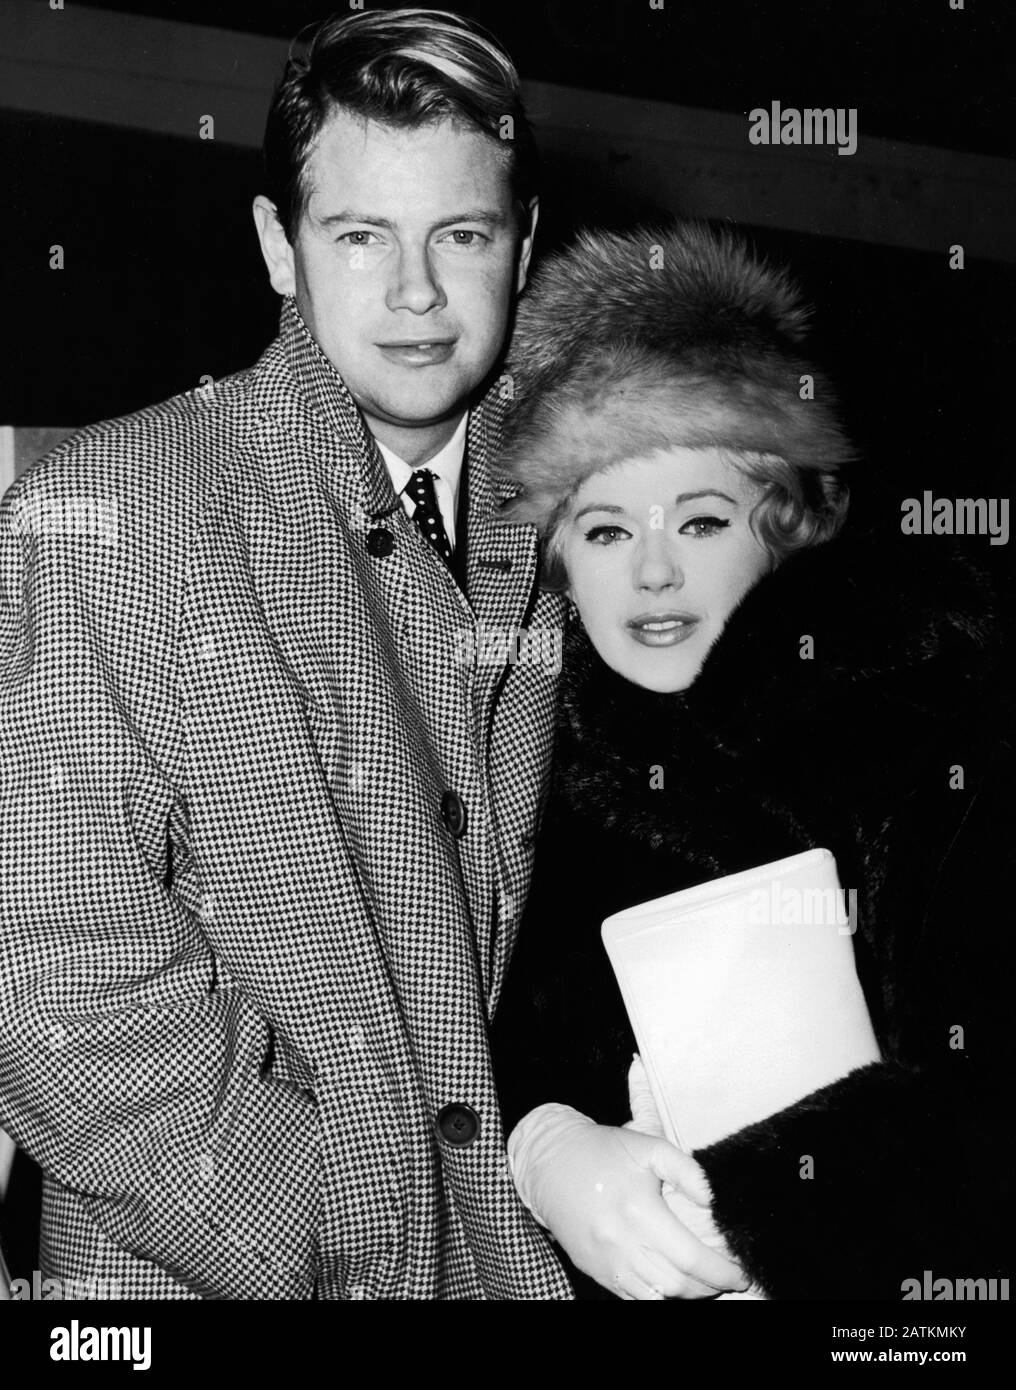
x=406 y=263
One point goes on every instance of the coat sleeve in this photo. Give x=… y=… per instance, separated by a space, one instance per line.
x=902 y=1166
x=130 y=1069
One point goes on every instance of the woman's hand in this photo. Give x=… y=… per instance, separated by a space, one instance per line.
x=599 y=1191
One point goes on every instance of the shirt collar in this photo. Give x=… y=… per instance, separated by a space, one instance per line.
x=446 y=463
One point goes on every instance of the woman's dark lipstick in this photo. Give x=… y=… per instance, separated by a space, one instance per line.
x=662 y=629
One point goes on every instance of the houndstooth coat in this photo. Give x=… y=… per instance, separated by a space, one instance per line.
x=249 y=948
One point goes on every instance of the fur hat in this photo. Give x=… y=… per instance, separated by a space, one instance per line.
x=629 y=343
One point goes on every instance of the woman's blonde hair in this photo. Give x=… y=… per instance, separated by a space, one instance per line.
x=798 y=508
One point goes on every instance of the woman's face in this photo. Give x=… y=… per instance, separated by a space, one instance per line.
x=658 y=553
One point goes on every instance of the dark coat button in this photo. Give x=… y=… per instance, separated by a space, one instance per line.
x=453 y=813
x=458 y=1125
x=380 y=542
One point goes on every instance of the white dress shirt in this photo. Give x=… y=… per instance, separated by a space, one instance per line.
x=446 y=465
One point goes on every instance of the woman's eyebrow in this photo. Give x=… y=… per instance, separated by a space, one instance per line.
x=681 y=498
x=599 y=507
x=705 y=492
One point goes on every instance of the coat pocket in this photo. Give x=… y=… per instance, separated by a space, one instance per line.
x=284 y=1064
x=372 y=1176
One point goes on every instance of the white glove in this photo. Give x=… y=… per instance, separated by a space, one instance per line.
x=699 y=1219
x=597 y=1189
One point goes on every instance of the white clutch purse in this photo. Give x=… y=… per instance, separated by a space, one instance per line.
x=742 y=994
x=743 y=997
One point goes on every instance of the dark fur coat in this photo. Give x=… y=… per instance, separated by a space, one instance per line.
x=853 y=749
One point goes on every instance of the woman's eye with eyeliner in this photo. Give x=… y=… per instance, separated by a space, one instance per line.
x=704 y=525
x=605 y=535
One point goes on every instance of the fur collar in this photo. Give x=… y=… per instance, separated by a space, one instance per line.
x=904 y=646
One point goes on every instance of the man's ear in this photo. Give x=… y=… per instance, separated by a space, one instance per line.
x=526 y=245
x=275 y=247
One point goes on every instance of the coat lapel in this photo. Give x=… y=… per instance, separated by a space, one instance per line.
x=501 y=559
x=364 y=485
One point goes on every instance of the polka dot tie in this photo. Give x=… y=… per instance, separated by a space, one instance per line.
x=427 y=516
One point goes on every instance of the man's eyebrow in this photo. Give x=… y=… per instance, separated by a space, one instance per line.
x=349 y=215
x=490 y=216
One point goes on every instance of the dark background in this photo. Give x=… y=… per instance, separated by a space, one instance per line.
x=164 y=280
x=919 y=73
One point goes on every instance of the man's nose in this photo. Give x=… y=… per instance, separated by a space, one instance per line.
x=415 y=285
x=657 y=565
